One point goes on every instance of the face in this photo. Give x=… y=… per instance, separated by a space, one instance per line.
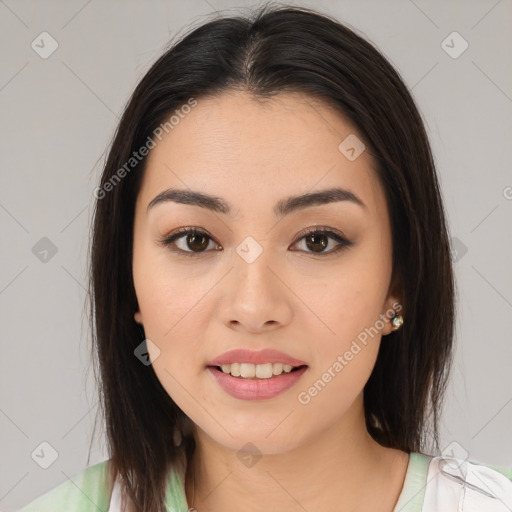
x=309 y=279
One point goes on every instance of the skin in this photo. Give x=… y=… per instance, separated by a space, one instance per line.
x=317 y=456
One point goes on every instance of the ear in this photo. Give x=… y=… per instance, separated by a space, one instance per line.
x=138 y=316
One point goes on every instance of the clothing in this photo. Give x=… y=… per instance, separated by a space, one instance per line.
x=432 y=484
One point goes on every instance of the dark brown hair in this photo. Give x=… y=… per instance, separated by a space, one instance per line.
x=276 y=49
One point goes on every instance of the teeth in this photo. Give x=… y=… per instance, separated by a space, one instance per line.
x=261 y=371
x=235 y=369
x=277 y=368
x=248 y=371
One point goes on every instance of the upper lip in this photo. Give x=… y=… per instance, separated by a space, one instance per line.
x=241 y=355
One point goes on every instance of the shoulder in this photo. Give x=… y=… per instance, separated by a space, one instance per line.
x=463 y=485
x=87 y=491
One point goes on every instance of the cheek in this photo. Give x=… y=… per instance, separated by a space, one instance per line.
x=169 y=304
x=168 y=295
x=173 y=300
x=348 y=299
x=348 y=302
x=345 y=356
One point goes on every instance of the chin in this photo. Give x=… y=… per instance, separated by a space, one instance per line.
x=250 y=438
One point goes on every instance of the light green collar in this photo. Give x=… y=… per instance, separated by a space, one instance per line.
x=413 y=492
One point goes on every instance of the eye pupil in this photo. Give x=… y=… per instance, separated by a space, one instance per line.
x=191 y=239
x=317 y=242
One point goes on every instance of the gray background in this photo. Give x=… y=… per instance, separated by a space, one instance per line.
x=58 y=116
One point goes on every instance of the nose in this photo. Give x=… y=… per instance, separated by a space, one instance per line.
x=256 y=296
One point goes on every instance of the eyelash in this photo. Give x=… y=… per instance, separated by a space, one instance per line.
x=320 y=230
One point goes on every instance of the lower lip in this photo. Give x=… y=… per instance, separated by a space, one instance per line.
x=256 y=389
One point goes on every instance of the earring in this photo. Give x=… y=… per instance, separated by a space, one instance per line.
x=397 y=320
x=141 y=330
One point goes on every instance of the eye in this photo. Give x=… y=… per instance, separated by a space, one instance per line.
x=317 y=239
x=197 y=241
x=194 y=238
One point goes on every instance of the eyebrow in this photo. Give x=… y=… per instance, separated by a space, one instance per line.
x=282 y=208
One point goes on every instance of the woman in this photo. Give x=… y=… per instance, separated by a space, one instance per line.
x=273 y=295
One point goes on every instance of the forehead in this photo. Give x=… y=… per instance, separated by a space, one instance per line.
x=233 y=143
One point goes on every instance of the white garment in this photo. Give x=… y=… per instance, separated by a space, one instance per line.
x=115 y=499
x=456 y=485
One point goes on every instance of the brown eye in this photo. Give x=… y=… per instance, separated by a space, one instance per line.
x=317 y=242
x=189 y=242
x=197 y=242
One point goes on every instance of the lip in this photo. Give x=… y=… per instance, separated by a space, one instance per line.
x=241 y=355
x=256 y=389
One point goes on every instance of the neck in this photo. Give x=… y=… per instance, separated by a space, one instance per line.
x=340 y=468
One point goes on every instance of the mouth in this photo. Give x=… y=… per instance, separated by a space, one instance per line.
x=256 y=375
x=246 y=381
x=257 y=371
